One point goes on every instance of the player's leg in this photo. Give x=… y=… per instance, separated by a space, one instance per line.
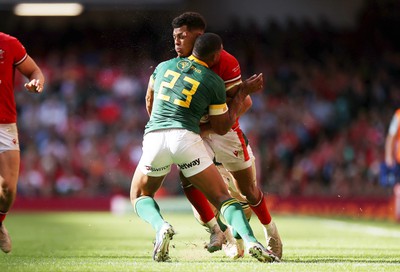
x=237 y=157
x=142 y=193
x=152 y=168
x=204 y=213
x=9 y=171
x=245 y=181
x=196 y=165
x=234 y=246
x=198 y=201
x=212 y=185
x=143 y=189
x=218 y=230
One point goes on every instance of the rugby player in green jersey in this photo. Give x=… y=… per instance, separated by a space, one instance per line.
x=184 y=90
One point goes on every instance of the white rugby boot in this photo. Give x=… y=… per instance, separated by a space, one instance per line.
x=257 y=250
x=274 y=242
x=161 y=245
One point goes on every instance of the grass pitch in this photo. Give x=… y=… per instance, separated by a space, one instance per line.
x=105 y=242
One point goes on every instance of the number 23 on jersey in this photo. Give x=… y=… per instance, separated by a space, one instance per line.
x=166 y=86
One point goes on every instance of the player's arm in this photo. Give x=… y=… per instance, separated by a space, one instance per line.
x=222 y=123
x=247 y=102
x=229 y=70
x=390 y=140
x=31 y=70
x=389 y=145
x=206 y=128
x=150 y=96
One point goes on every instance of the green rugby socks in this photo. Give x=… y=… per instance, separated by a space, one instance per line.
x=148 y=210
x=234 y=216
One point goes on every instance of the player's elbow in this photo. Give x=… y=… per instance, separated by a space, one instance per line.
x=221 y=124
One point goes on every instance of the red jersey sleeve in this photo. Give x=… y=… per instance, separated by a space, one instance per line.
x=19 y=52
x=228 y=69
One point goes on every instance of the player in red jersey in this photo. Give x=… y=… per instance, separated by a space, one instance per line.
x=12 y=56
x=392 y=161
x=231 y=150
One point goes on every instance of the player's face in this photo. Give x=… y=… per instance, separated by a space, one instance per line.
x=184 y=40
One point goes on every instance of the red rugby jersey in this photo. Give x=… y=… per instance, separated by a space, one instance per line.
x=12 y=53
x=228 y=69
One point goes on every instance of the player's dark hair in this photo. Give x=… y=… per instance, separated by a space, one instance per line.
x=207 y=45
x=192 y=20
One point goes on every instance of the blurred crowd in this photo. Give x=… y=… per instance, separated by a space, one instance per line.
x=317 y=128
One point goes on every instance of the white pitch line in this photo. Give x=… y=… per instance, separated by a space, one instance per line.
x=376 y=231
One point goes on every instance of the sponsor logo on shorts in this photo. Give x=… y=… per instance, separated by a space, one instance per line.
x=14 y=141
x=190 y=164
x=154 y=169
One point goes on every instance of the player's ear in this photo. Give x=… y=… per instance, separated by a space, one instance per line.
x=199 y=33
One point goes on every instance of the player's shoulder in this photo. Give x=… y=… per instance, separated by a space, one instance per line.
x=225 y=55
x=228 y=68
x=7 y=38
x=227 y=59
x=228 y=62
x=16 y=52
x=166 y=64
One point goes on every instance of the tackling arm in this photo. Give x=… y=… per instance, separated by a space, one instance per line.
x=221 y=124
x=247 y=102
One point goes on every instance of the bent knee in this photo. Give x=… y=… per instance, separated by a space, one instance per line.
x=135 y=193
x=8 y=188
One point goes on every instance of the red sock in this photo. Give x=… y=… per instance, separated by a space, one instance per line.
x=261 y=210
x=2 y=217
x=199 y=202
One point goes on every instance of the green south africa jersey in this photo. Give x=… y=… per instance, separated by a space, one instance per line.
x=184 y=90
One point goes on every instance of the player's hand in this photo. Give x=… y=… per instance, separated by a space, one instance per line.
x=253 y=84
x=34 y=86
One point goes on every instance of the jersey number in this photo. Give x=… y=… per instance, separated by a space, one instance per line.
x=169 y=85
